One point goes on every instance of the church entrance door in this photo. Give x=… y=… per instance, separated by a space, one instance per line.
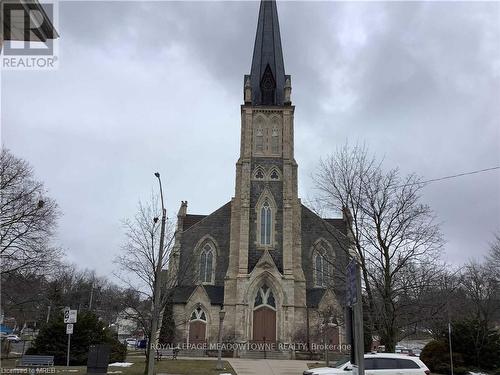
x=197 y=331
x=264 y=325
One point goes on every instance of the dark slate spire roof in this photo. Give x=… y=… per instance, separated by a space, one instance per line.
x=267 y=76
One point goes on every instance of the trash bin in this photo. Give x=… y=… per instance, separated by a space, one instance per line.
x=98 y=359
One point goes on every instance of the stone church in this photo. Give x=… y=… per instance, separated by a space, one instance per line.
x=272 y=264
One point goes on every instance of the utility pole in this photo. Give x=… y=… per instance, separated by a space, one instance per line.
x=157 y=286
x=91 y=292
x=449 y=327
x=355 y=316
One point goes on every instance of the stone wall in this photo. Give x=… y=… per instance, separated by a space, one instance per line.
x=216 y=226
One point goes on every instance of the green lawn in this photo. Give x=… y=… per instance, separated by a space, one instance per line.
x=165 y=366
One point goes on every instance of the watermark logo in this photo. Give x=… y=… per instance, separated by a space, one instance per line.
x=29 y=35
x=30 y=371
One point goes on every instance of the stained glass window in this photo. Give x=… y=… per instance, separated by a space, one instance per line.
x=274 y=175
x=265 y=297
x=258 y=299
x=198 y=314
x=320 y=276
x=265 y=224
x=206 y=263
x=270 y=299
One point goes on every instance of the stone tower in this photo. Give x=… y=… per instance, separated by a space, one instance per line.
x=263 y=257
x=264 y=287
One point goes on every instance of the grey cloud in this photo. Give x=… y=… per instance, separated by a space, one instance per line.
x=146 y=86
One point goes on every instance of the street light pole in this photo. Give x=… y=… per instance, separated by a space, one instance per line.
x=222 y=313
x=157 y=286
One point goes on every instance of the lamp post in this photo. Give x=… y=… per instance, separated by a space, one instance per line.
x=222 y=314
x=157 y=286
x=329 y=326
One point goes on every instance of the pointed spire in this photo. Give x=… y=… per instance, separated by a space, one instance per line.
x=267 y=75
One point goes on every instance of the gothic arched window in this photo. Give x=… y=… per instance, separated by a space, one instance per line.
x=259 y=173
x=321 y=265
x=274 y=174
x=206 y=264
x=264 y=297
x=265 y=224
x=198 y=314
x=320 y=274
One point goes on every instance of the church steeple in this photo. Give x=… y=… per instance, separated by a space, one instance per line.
x=267 y=75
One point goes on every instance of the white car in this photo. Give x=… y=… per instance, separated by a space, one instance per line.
x=14 y=338
x=378 y=364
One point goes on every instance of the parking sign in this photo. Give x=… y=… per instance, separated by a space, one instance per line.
x=70 y=316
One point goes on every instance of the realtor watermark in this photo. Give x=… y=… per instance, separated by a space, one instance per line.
x=31 y=370
x=29 y=35
x=254 y=346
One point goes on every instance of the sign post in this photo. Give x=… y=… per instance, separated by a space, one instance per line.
x=70 y=320
x=354 y=304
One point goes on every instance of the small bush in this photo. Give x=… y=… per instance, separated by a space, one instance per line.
x=436 y=355
x=118 y=351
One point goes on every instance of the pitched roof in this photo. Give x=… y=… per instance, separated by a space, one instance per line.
x=215 y=293
x=267 y=52
x=338 y=223
x=190 y=220
x=313 y=296
x=182 y=293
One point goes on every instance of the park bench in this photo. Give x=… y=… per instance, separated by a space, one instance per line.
x=160 y=353
x=36 y=361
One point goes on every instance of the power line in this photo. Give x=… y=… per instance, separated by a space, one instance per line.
x=452 y=176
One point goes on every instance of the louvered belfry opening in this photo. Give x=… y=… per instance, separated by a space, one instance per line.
x=268 y=87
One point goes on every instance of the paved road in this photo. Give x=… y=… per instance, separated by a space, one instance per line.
x=267 y=366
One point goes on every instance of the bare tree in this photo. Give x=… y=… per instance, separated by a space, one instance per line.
x=394 y=235
x=28 y=218
x=138 y=263
x=481 y=286
x=494 y=255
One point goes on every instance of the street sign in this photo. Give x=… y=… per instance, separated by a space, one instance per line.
x=69 y=328
x=70 y=316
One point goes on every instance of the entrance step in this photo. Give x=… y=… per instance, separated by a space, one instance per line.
x=254 y=354
x=191 y=353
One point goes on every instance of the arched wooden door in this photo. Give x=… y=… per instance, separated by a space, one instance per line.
x=197 y=332
x=333 y=336
x=264 y=325
x=198 y=326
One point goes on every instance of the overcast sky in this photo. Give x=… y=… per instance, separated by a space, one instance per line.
x=156 y=86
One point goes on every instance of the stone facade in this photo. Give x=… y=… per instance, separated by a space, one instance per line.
x=259 y=251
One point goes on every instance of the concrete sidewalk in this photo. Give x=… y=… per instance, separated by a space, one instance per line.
x=267 y=366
